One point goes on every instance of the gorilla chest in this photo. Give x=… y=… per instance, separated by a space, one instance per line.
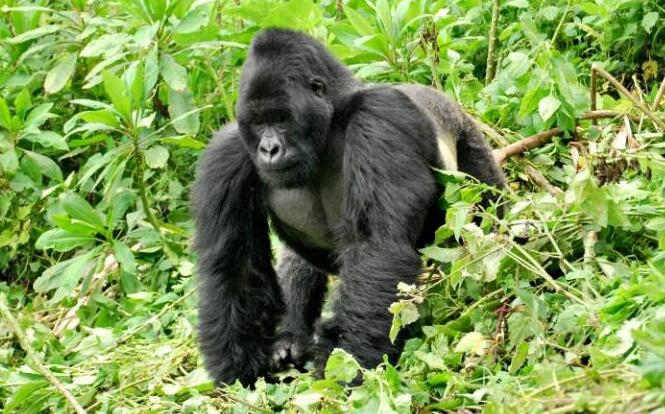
x=308 y=214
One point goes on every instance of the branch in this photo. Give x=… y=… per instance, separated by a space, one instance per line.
x=501 y=154
x=490 y=71
x=640 y=105
x=534 y=141
x=594 y=86
x=11 y=323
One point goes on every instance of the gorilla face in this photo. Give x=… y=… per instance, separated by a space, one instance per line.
x=284 y=119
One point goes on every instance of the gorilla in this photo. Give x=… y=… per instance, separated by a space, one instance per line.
x=343 y=174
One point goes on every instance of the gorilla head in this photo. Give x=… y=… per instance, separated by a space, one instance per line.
x=288 y=90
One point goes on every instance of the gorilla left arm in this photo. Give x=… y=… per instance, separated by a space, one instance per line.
x=389 y=189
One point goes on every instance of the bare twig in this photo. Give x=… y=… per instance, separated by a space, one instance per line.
x=541 y=181
x=490 y=72
x=594 y=85
x=640 y=105
x=659 y=95
x=12 y=324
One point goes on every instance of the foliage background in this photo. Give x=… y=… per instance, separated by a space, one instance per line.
x=106 y=105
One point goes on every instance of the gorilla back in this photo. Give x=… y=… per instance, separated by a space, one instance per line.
x=343 y=173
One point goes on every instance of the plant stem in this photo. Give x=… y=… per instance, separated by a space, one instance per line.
x=140 y=171
x=12 y=324
x=490 y=72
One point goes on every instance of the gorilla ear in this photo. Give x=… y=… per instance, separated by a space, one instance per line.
x=318 y=87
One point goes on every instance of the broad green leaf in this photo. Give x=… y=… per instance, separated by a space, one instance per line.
x=151 y=70
x=183 y=112
x=22 y=103
x=341 y=366
x=61 y=240
x=5 y=116
x=47 y=166
x=78 y=208
x=9 y=161
x=105 y=44
x=34 y=34
x=649 y=21
x=103 y=116
x=184 y=141
x=156 y=156
x=117 y=91
x=124 y=256
x=472 y=342
x=65 y=275
x=362 y=26
x=442 y=254
x=57 y=77
x=38 y=115
x=518 y=65
x=404 y=313
x=548 y=106
x=519 y=357
x=174 y=74
x=48 y=139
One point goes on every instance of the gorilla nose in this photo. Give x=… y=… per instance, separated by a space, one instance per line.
x=270 y=151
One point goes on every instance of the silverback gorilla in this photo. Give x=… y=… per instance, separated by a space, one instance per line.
x=343 y=171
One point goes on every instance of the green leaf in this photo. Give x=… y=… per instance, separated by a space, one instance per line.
x=124 y=256
x=61 y=240
x=5 y=116
x=548 y=106
x=341 y=366
x=472 y=342
x=57 y=77
x=519 y=357
x=174 y=74
x=34 y=34
x=442 y=255
x=184 y=141
x=156 y=156
x=183 y=112
x=65 y=275
x=47 y=166
x=77 y=208
x=48 y=139
x=649 y=21
x=404 y=313
x=362 y=26
x=117 y=91
x=22 y=103
x=38 y=115
x=103 y=116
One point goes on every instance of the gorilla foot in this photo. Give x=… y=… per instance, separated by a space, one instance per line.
x=290 y=350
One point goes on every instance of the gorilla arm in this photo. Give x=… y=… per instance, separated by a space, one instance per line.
x=389 y=188
x=240 y=299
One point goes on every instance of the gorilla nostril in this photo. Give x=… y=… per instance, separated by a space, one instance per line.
x=269 y=151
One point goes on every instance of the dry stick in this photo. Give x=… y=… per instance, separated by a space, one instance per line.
x=490 y=72
x=659 y=95
x=640 y=105
x=541 y=181
x=11 y=323
x=593 y=94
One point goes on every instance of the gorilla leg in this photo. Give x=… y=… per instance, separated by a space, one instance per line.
x=304 y=288
x=240 y=299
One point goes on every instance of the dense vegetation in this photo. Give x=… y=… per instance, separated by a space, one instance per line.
x=106 y=105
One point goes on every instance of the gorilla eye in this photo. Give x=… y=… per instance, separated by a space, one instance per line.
x=318 y=87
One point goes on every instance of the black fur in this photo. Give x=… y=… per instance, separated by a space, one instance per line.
x=350 y=191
